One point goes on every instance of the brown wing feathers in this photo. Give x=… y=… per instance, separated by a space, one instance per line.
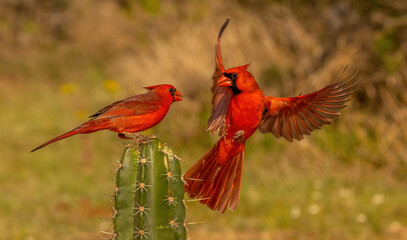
x=294 y=117
x=221 y=95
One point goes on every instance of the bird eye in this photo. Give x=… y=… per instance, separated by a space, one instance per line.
x=172 y=90
x=234 y=75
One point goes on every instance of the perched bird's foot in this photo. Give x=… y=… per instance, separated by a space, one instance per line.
x=239 y=136
x=122 y=136
x=136 y=136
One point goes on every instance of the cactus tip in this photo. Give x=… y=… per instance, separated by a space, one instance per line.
x=193 y=179
x=178 y=158
x=141 y=186
x=173 y=224
x=182 y=179
x=115 y=213
x=144 y=161
x=170 y=176
x=171 y=200
x=185 y=226
x=142 y=233
x=198 y=199
x=185 y=203
x=141 y=210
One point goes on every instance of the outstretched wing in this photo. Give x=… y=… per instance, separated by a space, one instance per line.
x=221 y=95
x=294 y=117
x=136 y=105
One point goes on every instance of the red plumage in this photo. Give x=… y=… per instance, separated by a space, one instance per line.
x=130 y=115
x=239 y=109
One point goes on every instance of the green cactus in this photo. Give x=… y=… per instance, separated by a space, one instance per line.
x=149 y=194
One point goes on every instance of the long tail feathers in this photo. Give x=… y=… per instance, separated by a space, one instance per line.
x=217 y=185
x=87 y=127
x=65 y=135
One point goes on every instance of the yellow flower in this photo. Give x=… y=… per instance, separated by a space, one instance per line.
x=345 y=192
x=361 y=218
x=67 y=88
x=314 y=209
x=295 y=211
x=395 y=227
x=111 y=86
x=378 y=199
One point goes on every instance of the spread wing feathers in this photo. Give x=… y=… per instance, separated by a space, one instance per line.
x=294 y=117
x=136 y=105
x=221 y=95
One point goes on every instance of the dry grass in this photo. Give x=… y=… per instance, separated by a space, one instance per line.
x=61 y=61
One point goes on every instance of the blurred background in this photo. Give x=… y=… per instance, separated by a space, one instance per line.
x=61 y=61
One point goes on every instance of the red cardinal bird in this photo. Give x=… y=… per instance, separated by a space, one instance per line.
x=128 y=116
x=239 y=109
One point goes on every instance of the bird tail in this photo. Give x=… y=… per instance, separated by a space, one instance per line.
x=87 y=127
x=218 y=186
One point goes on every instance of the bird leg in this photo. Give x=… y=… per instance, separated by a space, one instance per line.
x=239 y=136
x=137 y=137
x=122 y=136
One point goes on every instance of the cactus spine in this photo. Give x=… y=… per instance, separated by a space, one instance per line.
x=149 y=194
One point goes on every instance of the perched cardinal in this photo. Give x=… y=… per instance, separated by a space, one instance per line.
x=239 y=109
x=129 y=116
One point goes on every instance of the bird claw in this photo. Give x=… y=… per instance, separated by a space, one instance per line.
x=122 y=136
x=239 y=136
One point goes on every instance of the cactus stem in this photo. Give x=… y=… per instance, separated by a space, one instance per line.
x=171 y=200
x=148 y=194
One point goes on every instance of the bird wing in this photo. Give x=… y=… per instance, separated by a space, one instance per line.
x=294 y=117
x=221 y=95
x=136 y=105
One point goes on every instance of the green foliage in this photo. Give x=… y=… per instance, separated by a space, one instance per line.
x=149 y=194
x=151 y=6
x=272 y=76
x=385 y=47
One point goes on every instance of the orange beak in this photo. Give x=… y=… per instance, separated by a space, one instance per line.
x=224 y=81
x=177 y=96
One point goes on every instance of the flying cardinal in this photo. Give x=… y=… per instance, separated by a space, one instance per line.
x=128 y=116
x=239 y=109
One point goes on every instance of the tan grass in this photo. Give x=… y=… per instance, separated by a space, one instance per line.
x=292 y=48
